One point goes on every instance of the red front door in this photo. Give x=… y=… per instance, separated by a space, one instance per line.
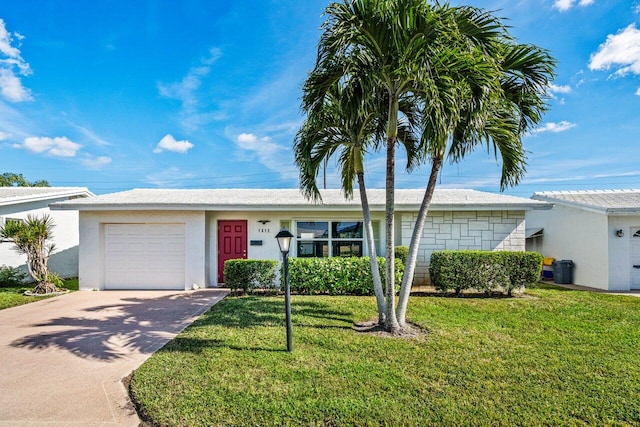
x=232 y=243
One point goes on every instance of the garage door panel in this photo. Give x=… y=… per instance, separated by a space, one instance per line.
x=144 y=256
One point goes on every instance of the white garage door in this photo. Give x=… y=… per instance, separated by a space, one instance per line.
x=144 y=256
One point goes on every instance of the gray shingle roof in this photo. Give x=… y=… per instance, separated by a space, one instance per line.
x=292 y=199
x=13 y=195
x=604 y=201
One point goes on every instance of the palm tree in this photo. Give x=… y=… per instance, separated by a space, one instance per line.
x=384 y=44
x=457 y=65
x=499 y=121
x=348 y=124
x=340 y=125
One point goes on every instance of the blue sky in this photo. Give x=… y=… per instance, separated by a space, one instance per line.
x=117 y=94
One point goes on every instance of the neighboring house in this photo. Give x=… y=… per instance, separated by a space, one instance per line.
x=172 y=239
x=598 y=230
x=18 y=202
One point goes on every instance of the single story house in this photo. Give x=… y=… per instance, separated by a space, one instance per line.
x=16 y=203
x=172 y=239
x=598 y=230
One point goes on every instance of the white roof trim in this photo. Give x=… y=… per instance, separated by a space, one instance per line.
x=292 y=200
x=19 y=195
x=560 y=198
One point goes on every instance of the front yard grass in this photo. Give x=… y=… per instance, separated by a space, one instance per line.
x=551 y=357
x=13 y=296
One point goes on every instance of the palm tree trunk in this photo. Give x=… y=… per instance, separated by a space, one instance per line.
x=412 y=257
x=373 y=258
x=390 y=321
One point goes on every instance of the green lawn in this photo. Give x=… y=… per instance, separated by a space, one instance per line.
x=550 y=357
x=11 y=297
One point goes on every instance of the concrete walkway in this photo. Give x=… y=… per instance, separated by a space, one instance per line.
x=631 y=293
x=62 y=359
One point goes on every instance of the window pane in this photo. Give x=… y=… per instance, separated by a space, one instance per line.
x=376 y=235
x=314 y=249
x=346 y=230
x=312 y=230
x=347 y=248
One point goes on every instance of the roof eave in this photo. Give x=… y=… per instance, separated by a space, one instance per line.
x=278 y=207
x=622 y=211
x=44 y=197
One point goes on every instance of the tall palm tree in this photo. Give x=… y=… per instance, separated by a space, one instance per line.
x=348 y=124
x=457 y=65
x=385 y=44
x=499 y=121
x=341 y=124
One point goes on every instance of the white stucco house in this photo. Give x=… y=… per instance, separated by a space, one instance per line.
x=598 y=230
x=172 y=239
x=16 y=203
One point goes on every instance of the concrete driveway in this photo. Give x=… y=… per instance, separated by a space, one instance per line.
x=62 y=359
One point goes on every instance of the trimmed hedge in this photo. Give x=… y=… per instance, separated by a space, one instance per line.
x=337 y=275
x=401 y=253
x=250 y=274
x=484 y=271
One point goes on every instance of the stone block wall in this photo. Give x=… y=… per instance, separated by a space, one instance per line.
x=474 y=230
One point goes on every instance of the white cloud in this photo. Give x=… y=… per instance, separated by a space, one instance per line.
x=271 y=155
x=553 y=90
x=186 y=90
x=4 y=135
x=169 y=143
x=11 y=87
x=95 y=162
x=11 y=62
x=638 y=92
x=564 y=5
x=621 y=51
x=89 y=134
x=559 y=88
x=555 y=127
x=55 y=147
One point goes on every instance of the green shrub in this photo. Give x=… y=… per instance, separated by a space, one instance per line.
x=337 y=275
x=401 y=253
x=250 y=274
x=524 y=268
x=11 y=277
x=484 y=271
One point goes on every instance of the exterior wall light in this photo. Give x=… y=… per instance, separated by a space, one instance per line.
x=620 y=233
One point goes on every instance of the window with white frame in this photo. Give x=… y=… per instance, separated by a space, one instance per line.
x=322 y=239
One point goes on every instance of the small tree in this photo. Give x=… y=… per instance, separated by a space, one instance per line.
x=31 y=238
x=10 y=179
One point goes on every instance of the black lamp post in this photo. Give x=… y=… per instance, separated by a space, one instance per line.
x=284 y=241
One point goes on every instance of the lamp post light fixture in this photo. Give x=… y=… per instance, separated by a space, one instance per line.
x=284 y=242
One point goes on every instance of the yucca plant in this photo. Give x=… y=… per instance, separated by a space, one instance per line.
x=31 y=237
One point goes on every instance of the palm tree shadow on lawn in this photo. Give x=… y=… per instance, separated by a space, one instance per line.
x=252 y=312
x=111 y=332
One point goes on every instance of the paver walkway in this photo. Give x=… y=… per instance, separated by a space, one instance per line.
x=62 y=359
